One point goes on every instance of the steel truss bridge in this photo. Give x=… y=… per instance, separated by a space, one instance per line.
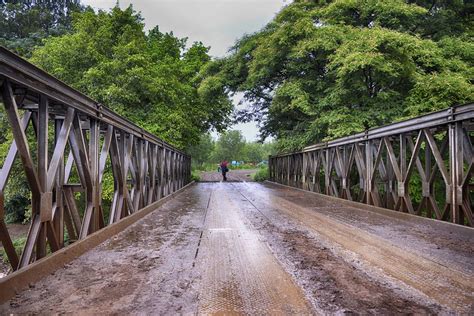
x=377 y=222
x=65 y=141
x=427 y=158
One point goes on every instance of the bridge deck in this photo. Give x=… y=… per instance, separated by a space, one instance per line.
x=253 y=248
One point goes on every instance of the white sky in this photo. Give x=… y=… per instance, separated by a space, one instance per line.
x=216 y=23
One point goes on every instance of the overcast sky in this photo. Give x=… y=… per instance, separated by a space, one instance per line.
x=216 y=23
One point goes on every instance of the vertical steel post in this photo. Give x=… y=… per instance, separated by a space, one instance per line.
x=456 y=171
x=369 y=165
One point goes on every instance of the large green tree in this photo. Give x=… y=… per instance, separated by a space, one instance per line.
x=230 y=146
x=325 y=69
x=202 y=151
x=255 y=152
x=150 y=78
x=24 y=24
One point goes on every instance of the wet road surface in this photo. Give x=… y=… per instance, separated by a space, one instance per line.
x=250 y=248
x=239 y=272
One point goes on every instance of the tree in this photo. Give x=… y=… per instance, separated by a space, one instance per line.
x=326 y=69
x=202 y=151
x=254 y=152
x=151 y=78
x=229 y=147
x=24 y=24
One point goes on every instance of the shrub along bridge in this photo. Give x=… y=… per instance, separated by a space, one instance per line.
x=231 y=247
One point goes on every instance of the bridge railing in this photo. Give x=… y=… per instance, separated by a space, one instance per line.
x=422 y=166
x=71 y=149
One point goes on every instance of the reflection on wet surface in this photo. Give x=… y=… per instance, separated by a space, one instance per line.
x=251 y=248
x=239 y=272
x=451 y=285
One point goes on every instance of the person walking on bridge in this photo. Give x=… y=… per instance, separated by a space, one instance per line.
x=224 y=169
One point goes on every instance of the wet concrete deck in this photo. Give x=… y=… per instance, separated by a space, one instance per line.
x=250 y=248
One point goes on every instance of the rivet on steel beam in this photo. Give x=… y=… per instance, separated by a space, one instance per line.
x=451 y=111
x=99 y=110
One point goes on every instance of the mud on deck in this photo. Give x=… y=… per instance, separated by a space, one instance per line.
x=263 y=249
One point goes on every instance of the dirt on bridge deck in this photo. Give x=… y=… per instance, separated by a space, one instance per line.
x=249 y=248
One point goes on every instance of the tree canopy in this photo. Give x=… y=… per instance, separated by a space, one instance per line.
x=152 y=78
x=24 y=24
x=230 y=146
x=326 y=69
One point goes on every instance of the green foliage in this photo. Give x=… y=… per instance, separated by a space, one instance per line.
x=232 y=146
x=435 y=92
x=365 y=13
x=24 y=24
x=201 y=152
x=153 y=78
x=326 y=69
x=150 y=78
x=17 y=193
x=207 y=166
x=18 y=243
x=195 y=175
x=16 y=208
x=229 y=147
x=244 y=166
x=207 y=154
x=261 y=175
x=254 y=152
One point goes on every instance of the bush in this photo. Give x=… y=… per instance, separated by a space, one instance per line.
x=18 y=243
x=16 y=208
x=261 y=175
x=207 y=166
x=195 y=175
x=243 y=166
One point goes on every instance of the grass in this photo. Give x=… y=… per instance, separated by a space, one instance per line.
x=195 y=175
x=205 y=167
x=244 y=166
x=18 y=243
x=261 y=175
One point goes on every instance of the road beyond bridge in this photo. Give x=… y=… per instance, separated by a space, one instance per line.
x=265 y=249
